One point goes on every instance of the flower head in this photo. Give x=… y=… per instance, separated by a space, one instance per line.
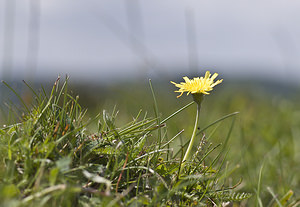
x=198 y=85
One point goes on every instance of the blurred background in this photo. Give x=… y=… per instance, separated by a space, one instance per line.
x=110 y=49
x=108 y=41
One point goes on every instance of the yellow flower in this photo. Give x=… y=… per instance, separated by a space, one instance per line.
x=198 y=85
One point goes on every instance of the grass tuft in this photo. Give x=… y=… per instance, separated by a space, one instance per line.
x=50 y=158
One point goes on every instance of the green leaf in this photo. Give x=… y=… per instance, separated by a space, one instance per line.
x=53 y=175
x=9 y=191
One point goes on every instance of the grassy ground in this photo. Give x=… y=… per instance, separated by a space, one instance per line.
x=56 y=153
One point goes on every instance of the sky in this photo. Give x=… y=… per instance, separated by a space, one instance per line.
x=101 y=40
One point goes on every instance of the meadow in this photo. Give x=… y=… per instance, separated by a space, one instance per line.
x=126 y=149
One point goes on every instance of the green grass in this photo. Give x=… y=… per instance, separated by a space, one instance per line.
x=57 y=153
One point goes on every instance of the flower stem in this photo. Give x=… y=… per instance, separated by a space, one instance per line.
x=189 y=149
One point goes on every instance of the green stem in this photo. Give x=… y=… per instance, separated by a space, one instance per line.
x=189 y=149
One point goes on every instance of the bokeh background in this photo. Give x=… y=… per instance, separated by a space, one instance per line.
x=110 y=49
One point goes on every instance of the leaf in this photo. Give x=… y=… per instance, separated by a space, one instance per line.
x=10 y=191
x=53 y=175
